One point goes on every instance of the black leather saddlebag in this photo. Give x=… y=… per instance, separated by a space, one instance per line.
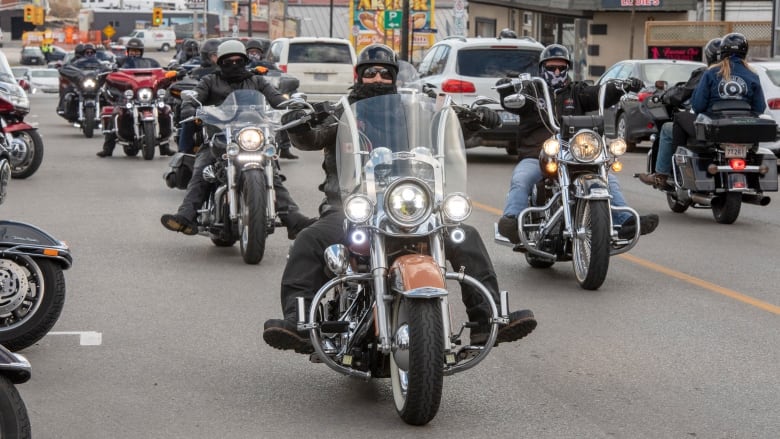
x=735 y=129
x=179 y=170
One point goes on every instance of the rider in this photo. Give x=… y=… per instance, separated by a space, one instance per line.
x=212 y=90
x=78 y=52
x=208 y=60
x=571 y=98
x=135 y=57
x=681 y=128
x=72 y=72
x=377 y=70
x=189 y=50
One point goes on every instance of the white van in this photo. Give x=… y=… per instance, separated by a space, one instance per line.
x=154 y=39
x=324 y=66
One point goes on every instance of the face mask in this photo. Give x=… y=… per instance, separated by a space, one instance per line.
x=555 y=79
x=233 y=71
x=362 y=91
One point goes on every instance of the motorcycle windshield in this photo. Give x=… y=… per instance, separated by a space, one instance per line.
x=384 y=138
x=241 y=108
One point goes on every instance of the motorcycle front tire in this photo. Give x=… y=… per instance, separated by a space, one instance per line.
x=149 y=140
x=14 y=421
x=252 y=217
x=590 y=253
x=34 y=155
x=89 y=122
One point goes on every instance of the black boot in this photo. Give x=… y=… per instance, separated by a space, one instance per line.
x=165 y=150
x=286 y=154
x=108 y=146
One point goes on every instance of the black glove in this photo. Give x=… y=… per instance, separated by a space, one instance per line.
x=505 y=91
x=488 y=118
x=181 y=74
x=292 y=115
x=186 y=112
x=634 y=84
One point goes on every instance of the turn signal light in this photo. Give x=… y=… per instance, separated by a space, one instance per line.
x=617 y=166
x=457 y=86
x=50 y=252
x=737 y=164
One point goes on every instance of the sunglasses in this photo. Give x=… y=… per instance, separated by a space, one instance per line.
x=552 y=68
x=89 y=52
x=233 y=62
x=383 y=73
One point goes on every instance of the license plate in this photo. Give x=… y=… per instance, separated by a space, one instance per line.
x=733 y=150
x=509 y=117
x=320 y=76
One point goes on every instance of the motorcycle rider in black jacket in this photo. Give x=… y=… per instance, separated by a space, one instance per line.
x=212 y=90
x=377 y=69
x=78 y=53
x=208 y=60
x=73 y=72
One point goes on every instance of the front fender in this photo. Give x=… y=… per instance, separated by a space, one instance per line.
x=417 y=276
x=592 y=187
x=22 y=238
x=19 y=126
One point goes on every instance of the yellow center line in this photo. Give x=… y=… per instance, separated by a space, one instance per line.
x=676 y=274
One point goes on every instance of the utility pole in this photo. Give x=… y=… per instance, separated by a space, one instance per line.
x=405 y=30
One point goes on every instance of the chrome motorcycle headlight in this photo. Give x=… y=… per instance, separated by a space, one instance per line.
x=160 y=93
x=89 y=83
x=358 y=208
x=250 y=139
x=128 y=94
x=145 y=94
x=232 y=150
x=618 y=147
x=551 y=146
x=586 y=146
x=408 y=203
x=456 y=207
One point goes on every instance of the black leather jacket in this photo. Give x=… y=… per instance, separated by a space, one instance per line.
x=213 y=89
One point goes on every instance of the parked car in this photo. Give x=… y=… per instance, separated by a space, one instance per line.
x=32 y=56
x=45 y=79
x=324 y=66
x=624 y=119
x=466 y=68
x=769 y=74
x=22 y=75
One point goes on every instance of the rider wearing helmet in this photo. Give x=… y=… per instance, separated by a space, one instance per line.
x=71 y=76
x=212 y=90
x=570 y=98
x=377 y=70
x=681 y=128
x=507 y=33
x=208 y=59
x=135 y=57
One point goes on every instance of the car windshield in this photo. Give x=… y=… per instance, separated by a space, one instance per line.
x=319 y=53
x=671 y=73
x=496 y=63
x=45 y=73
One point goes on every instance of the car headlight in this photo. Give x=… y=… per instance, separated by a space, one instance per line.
x=358 y=208
x=408 y=203
x=89 y=83
x=456 y=207
x=551 y=147
x=145 y=94
x=618 y=147
x=586 y=146
x=250 y=139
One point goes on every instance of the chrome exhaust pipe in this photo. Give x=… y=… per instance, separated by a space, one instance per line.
x=704 y=200
x=761 y=200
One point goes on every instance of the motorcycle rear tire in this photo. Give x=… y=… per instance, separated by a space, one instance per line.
x=27 y=165
x=590 y=253
x=89 y=122
x=725 y=209
x=42 y=306
x=252 y=217
x=149 y=140
x=675 y=205
x=14 y=421
x=417 y=397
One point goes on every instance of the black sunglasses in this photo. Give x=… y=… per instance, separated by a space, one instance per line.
x=89 y=52
x=552 y=68
x=233 y=62
x=383 y=73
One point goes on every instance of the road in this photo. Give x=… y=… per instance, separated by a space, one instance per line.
x=161 y=333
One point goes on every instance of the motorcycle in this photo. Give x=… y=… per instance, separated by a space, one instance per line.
x=14 y=420
x=242 y=204
x=20 y=139
x=32 y=284
x=82 y=106
x=569 y=217
x=140 y=117
x=724 y=166
x=402 y=174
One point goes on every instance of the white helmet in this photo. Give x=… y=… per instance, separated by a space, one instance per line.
x=229 y=48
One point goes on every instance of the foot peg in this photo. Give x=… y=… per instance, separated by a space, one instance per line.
x=334 y=327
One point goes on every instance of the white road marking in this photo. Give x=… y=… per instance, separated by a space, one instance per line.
x=86 y=338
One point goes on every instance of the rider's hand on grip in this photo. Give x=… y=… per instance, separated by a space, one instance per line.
x=260 y=70
x=505 y=87
x=488 y=118
x=634 y=84
x=292 y=115
x=181 y=74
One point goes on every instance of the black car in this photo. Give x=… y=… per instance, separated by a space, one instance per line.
x=32 y=56
x=624 y=119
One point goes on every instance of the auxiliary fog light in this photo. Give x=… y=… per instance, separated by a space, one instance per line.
x=358 y=209
x=617 y=166
x=618 y=147
x=457 y=235
x=232 y=149
x=551 y=147
x=456 y=207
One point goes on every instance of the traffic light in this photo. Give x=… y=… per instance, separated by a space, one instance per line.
x=157 y=16
x=29 y=13
x=235 y=8
x=38 y=16
x=254 y=8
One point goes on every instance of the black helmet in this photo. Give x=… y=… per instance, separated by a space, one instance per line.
x=507 y=33
x=255 y=44
x=191 y=48
x=555 y=51
x=135 y=43
x=733 y=44
x=206 y=49
x=89 y=46
x=376 y=55
x=711 y=51
x=79 y=50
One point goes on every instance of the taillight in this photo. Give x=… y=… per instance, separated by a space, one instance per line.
x=457 y=86
x=283 y=67
x=773 y=104
x=737 y=164
x=643 y=95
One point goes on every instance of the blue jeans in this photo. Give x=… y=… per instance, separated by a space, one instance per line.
x=527 y=174
x=186 y=132
x=663 y=161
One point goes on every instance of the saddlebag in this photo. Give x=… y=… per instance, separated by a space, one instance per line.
x=725 y=128
x=179 y=170
x=692 y=162
x=571 y=124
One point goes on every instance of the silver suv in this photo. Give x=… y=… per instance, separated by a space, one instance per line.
x=468 y=67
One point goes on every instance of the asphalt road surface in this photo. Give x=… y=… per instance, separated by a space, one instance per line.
x=161 y=333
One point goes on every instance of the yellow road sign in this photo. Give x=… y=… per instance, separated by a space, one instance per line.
x=109 y=31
